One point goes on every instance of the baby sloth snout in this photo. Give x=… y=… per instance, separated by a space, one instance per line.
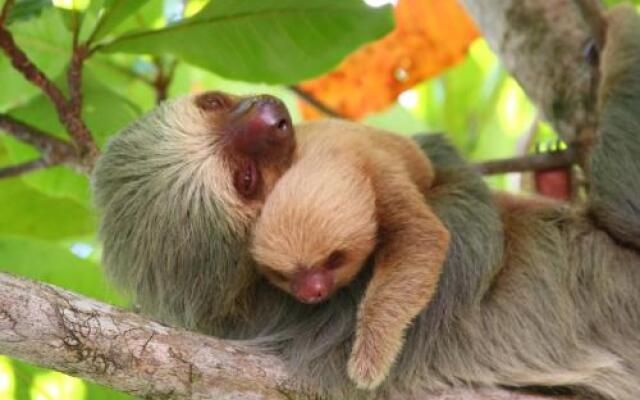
x=312 y=285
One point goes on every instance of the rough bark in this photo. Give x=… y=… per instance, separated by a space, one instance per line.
x=542 y=43
x=57 y=329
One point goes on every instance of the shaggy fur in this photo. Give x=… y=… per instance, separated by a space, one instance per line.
x=349 y=183
x=547 y=296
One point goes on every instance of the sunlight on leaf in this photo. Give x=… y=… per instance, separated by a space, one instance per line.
x=7 y=379
x=71 y=4
x=82 y=250
x=274 y=41
x=380 y=3
x=193 y=7
x=57 y=386
x=514 y=111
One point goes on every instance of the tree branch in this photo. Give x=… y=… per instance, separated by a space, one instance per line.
x=163 y=78
x=536 y=162
x=4 y=14
x=542 y=44
x=53 y=150
x=57 y=329
x=19 y=169
x=67 y=110
x=317 y=104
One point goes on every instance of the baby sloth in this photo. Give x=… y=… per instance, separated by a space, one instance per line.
x=354 y=193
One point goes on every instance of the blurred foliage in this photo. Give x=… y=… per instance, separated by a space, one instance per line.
x=423 y=43
x=47 y=222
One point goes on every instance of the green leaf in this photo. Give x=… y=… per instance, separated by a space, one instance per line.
x=115 y=12
x=99 y=101
x=26 y=387
x=23 y=10
x=396 y=119
x=47 y=43
x=28 y=212
x=52 y=263
x=275 y=41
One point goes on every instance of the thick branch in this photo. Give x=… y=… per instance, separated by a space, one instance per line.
x=542 y=44
x=53 y=328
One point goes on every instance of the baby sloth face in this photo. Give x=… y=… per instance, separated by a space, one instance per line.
x=317 y=228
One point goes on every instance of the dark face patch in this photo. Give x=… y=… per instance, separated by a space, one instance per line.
x=257 y=138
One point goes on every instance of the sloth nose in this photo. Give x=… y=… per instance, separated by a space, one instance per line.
x=262 y=127
x=312 y=286
x=272 y=116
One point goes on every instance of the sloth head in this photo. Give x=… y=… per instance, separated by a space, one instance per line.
x=317 y=228
x=179 y=190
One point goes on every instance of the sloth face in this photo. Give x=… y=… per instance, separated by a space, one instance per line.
x=317 y=227
x=179 y=191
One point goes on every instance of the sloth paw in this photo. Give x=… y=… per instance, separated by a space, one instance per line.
x=371 y=359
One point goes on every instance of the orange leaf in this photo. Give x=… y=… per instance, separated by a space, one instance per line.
x=430 y=35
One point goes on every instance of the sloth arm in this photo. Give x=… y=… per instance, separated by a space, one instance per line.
x=412 y=247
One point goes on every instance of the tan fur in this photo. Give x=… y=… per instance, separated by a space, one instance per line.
x=348 y=181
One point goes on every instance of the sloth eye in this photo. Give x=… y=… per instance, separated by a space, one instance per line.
x=335 y=260
x=246 y=180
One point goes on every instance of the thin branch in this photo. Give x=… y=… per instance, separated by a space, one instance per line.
x=74 y=73
x=4 y=14
x=20 y=169
x=53 y=150
x=536 y=162
x=317 y=104
x=66 y=113
x=593 y=13
x=163 y=78
x=53 y=328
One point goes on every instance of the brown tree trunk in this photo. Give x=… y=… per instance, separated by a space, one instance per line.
x=542 y=43
x=57 y=329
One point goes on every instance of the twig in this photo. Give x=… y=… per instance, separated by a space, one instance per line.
x=163 y=78
x=592 y=12
x=54 y=328
x=66 y=113
x=74 y=74
x=54 y=150
x=19 y=169
x=317 y=104
x=536 y=162
x=4 y=14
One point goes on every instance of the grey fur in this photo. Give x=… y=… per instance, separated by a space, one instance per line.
x=529 y=297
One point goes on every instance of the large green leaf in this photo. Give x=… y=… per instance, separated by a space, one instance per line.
x=28 y=212
x=105 y=113
x=28 y=379
x=47 y=43
x=26 y=9
x=275 y=41
x=113 y=13
x=50 y=262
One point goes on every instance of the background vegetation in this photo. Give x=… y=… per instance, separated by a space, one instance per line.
x=148 y=50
